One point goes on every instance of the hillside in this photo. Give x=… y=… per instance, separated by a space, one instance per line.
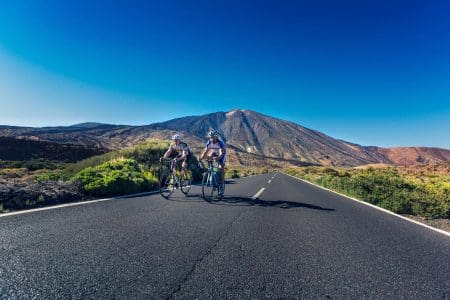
x=404 y=156
x=256 y=133
x=252 y=138
x=20 y=149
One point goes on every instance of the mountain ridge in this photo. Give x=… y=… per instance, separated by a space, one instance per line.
x=246 y=131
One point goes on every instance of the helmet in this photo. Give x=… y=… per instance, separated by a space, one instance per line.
x=213 y=133
x=176 y=137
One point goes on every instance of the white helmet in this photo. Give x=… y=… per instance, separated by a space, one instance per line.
x=176 y=137
x=213 y=133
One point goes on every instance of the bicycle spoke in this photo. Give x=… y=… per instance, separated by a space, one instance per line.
x=207 y=187
x=167 y=183
x=186 y=181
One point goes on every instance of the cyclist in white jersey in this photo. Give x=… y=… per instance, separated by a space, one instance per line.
x=215 y=149
x=179 y=151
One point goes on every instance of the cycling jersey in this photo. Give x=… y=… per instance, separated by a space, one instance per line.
x=214 y=148
x=180 y=148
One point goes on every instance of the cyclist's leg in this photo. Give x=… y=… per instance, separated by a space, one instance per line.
x=177 y=161
x=184 y=169
x=222 y=166
x=185 y=164
x=174 y=167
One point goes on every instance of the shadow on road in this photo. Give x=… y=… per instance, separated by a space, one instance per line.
x=248 y=201
x=233 y=200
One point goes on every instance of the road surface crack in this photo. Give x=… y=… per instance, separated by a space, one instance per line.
x=202 y=257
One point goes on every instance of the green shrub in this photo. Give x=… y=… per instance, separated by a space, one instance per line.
x=115 y=177
x=422 y=196
x=232 y=174
x=40 y=199
x=48 y=177
x=146 y=153
x=13 y=173
x=31 y=165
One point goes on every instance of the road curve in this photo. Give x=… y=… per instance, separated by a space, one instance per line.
x=271 y=237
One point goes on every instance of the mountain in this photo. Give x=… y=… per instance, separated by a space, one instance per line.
x=13 y=149
x=256 y=133
x=250 y=136
x=88 y=125
x=405 y=156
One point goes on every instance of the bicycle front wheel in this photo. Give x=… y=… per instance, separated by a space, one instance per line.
x=207 y=186
x=166 y=184
x=186 y=182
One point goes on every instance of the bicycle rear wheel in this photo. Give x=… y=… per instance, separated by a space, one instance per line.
x=186 y=182
x=166 y=184
x=207 y=186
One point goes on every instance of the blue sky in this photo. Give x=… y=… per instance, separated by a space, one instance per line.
x=370 y=72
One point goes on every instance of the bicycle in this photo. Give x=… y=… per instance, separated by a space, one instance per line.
x=212 y=182
x=170 y=178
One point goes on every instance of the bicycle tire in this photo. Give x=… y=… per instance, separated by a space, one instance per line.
x=207 y=186
x=186 y=183
x=166 y=183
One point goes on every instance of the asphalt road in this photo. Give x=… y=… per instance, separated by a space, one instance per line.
x=294 y=241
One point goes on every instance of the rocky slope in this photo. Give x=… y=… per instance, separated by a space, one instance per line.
x=259 y=134
x=23 y=149
x=250 y=136
x=405 y=156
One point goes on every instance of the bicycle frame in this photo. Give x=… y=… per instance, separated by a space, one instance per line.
x=212 y=181
x=173 y=180
x=213 y=173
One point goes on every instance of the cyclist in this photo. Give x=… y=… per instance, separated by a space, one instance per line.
x=179 y=151
x=215 y=149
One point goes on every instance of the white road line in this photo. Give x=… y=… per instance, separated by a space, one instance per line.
x=270 y=180
x=258 y=193
x=376 y=207
x=21 y=212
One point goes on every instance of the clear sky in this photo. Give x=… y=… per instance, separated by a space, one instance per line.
x=370 y=72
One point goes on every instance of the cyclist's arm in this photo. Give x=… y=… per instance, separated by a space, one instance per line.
x=168 y=152
x=221 y=152
x=183 y=155
x=204 y=153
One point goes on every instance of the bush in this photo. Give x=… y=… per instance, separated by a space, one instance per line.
x=13 y=173
x=48 y=177
x=422 y=196
x=116 y=177
x=146 y=154
x=232 y=174
x=31 y=165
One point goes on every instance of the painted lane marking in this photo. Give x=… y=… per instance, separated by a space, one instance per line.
x=86 y=202
x=376 y=207
x=270 y=180
x=258 y=193
x=21 y=212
